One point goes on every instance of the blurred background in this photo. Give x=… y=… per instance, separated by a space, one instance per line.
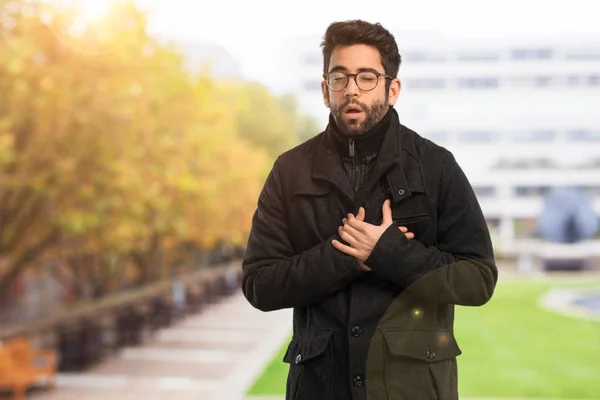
x=135 y=137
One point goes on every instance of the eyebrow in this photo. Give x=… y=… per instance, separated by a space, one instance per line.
x=344 y=69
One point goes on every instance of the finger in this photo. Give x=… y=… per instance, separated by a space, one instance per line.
x=387 y=212
x=361 y=214
x=357 y=224
x=344 y=249
x=356 y=235
x=408 y=234
x=347 y=236
x=363 y=267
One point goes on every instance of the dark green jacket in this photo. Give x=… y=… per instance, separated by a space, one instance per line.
x=385 y=334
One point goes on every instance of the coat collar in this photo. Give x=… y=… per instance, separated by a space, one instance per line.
x=364 y=145
x=397 y=159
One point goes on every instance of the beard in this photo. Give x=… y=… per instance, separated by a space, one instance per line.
x=353 y=127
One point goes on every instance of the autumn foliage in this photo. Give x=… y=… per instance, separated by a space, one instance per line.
x=114 y=154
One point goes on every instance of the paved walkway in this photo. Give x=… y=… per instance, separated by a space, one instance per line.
x=216 y=354
x=462 y=398
x=580 y=303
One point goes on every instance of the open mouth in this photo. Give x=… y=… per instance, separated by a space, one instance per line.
x=353 y=110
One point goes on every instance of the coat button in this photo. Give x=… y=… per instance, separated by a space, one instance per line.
x=357 y=381
x=386 y=188
x=430 y=354
x=298 y=359
x=355 y=331
x=329 y=151
x=401 y=192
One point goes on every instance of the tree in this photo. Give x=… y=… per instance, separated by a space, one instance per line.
x=305 y=126
x=262 y=120
x=111 y=152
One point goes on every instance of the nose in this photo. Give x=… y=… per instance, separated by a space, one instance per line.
x=352 y=88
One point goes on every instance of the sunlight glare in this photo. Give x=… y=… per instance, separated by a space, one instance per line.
x=94 y=10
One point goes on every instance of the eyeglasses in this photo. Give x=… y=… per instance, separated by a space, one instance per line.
x=365 y=80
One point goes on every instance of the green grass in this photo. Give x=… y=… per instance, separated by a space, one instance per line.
x=272 y=381
x=511 y=348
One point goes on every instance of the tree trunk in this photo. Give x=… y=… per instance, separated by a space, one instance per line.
x=148 y=261
x=25 y=259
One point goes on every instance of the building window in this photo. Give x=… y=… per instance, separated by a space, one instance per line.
x=534 y=136
x=312 y=86
x=475 y=56
x=532 y=54
x=423 y=57
x=531 y=191
x=542 y=81
x=593 y=80
x=534 y=163
x=591 y=54
x=533 y=81
x=583 y=80
x=478 y=136
x=437 y=137
x=426 y=83
x=485 y=191
x=575 y=80
x=478 y=83
x=588 y=191
x=582 y=135
x=522 y=81
x=547 y=81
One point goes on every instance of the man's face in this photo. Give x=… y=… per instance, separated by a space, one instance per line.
x=354 y=110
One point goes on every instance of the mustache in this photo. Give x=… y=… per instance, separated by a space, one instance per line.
x=354 y=103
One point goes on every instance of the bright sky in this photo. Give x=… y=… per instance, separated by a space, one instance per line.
x=253 y=29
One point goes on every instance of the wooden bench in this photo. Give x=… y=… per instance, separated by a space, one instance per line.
x=22 y=366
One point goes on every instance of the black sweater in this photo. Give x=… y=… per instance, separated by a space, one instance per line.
x=359 y=152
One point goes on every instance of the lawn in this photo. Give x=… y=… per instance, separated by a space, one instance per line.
x=511 y=348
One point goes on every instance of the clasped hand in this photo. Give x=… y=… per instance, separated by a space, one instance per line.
x=362 y=236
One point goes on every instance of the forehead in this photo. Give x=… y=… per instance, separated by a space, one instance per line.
x=355 y=57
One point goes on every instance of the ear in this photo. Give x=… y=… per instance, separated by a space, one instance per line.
x=325 y=91
x=394 y=92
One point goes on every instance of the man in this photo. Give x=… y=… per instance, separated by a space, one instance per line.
x=371 y=234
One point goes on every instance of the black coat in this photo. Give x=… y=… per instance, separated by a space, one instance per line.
x=385 y=334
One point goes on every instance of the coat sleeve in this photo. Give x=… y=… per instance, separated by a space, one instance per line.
x=460 y=269
x=274 y=277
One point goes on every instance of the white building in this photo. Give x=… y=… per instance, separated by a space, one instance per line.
x=521 y=116
x=215 y=58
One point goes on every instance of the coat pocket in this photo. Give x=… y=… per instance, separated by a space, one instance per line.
x=419 y=224
x=421 y=364
x=310 y=375
x=414 y=219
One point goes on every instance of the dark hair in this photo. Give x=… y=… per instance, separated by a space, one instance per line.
x=361 y=32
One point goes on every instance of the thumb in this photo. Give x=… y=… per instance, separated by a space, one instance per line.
x=387 y=213
x=361 y=214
